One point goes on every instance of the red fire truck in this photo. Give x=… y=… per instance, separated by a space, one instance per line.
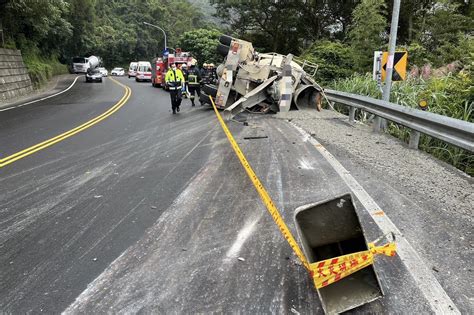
x=160 y=65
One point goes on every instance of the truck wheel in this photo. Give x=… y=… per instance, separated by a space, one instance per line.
x=204 y=98
x=210 y=89
x=222 y=50
x=225 y=39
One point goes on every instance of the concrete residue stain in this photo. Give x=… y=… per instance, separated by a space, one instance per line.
x=128 y=284
x=242 y=236
x=305 y=165
x=51 y=205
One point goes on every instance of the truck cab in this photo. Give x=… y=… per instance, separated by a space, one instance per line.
x=80 y=64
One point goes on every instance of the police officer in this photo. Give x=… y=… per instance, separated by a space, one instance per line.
x=175 y=81
x=194 y=81
x=184 y=70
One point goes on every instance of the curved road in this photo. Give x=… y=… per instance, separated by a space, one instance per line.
x=149 y=211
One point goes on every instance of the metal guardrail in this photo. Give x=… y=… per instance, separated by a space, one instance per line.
x=453 y=131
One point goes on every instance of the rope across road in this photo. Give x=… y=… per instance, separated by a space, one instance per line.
x=324 y=272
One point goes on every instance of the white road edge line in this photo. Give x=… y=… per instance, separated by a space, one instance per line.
x=438 y=299
x=44 y=98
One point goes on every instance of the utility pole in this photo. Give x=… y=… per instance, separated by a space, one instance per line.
x=380 y=123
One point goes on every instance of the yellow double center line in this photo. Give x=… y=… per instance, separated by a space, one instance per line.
x=40 y=146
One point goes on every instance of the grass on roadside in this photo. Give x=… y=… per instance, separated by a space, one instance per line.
x=42 y=69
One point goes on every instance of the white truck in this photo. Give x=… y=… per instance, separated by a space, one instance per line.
x=82 y=64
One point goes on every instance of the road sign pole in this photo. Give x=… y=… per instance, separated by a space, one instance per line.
x=380 y=123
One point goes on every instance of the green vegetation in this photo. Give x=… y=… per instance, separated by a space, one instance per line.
x=41 y=69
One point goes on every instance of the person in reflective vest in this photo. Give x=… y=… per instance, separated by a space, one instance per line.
x=194 y=82
x=175 y=82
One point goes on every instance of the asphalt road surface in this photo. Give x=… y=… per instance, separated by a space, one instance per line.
x=146 y=211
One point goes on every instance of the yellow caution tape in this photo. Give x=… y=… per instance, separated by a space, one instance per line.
x=328 y=271
x=262 y=191
x=323 y=272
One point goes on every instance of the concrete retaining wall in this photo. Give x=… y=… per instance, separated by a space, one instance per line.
x=14 y=78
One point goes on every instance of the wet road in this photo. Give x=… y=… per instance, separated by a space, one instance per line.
x=149 y=211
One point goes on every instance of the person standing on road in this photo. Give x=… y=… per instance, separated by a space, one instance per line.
x=212 y=73
x=175 y=81
x=204 y=74
x=194 y=82
x=184 y=70
x=209 y=74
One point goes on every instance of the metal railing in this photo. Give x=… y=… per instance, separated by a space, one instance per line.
x=453 y=131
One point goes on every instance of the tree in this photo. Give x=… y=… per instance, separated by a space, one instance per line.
x=36 y=26
x=120 y=36
x=281 y=26
x=367 y=32
x=443 y=32
x=334 y=60
x=202 y=43
x=82 y=18
x=286 y=26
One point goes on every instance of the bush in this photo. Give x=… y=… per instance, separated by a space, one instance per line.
x=418 y=55
x=452 y=96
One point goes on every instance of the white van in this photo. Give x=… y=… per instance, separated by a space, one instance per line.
x=143 y=71
x=132 y=69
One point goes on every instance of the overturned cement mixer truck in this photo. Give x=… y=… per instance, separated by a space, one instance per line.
x=260 y=82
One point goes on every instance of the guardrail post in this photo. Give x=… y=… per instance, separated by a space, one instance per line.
x=414 y=139
x=376 y=124
x=352 y=111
